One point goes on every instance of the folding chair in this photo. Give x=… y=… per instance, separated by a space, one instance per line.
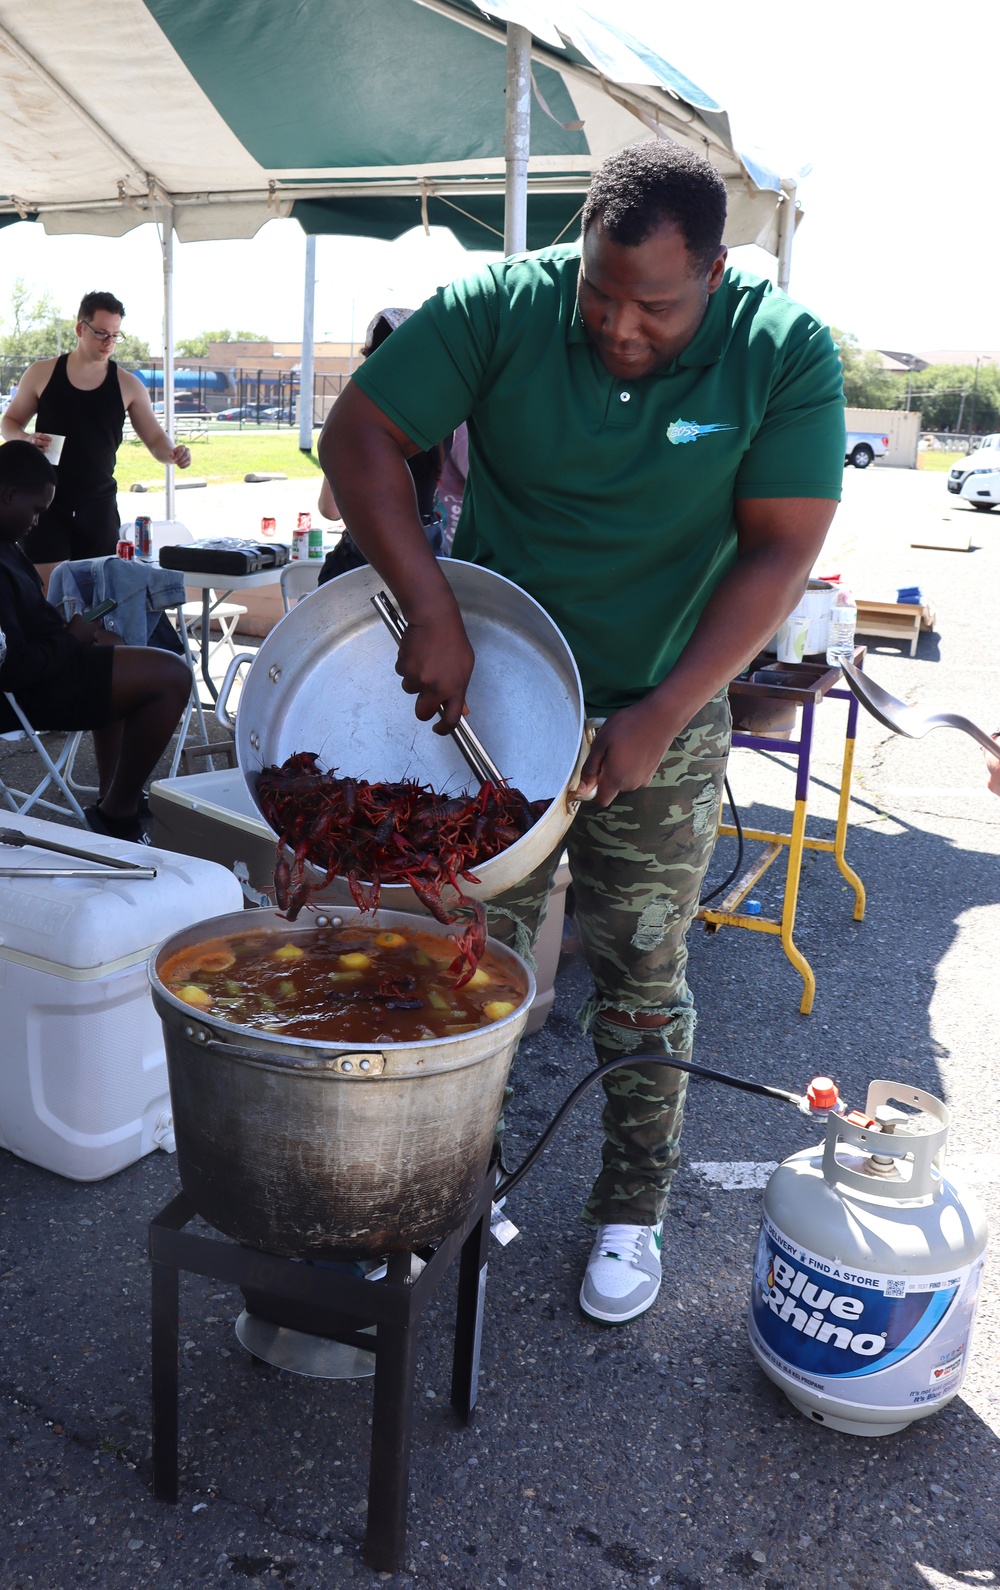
x=58 y=771
x=228 y=615
x=298 y=579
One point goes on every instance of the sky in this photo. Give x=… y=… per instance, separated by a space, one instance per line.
x=878 y=104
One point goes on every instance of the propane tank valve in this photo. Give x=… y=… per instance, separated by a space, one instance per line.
x=886 y=1120
x=821 y=1099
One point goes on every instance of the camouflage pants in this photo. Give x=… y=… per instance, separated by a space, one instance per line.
x=637 y=871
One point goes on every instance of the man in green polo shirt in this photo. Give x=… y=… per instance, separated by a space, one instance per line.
x=655 y=454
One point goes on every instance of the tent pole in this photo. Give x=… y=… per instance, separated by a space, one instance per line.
x=517 y=139
x=167 y=242
x=786 y=234
x=306 y=364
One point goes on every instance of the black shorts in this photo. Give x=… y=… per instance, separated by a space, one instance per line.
x=78 y=697
x=64 y=533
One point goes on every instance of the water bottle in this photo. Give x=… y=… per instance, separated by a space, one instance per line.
x=840 y=639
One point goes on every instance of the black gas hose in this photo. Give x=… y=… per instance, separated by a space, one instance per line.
x=509 y=1182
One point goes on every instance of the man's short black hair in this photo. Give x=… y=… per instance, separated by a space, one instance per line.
x=90 y=303
x=25 y=467
x=639 y=188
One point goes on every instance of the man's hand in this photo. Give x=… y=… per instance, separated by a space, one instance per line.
x=181 y=456
x=90 y=632
x=85 y=630
x=993 y=770
x=435 y=663
x=626 y=752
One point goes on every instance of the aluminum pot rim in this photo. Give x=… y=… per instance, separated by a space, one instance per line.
x=311 y=1049
x=554 y=821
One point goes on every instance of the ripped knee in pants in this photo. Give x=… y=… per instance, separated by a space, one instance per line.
x=629 y=1028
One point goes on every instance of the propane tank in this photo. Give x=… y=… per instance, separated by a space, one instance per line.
x=868 y=1269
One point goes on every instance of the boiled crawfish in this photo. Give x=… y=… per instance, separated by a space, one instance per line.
x=389 y=833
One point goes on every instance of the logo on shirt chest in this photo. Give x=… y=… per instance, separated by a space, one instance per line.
x=689 y=431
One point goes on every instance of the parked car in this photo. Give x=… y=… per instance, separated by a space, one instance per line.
x=977 y=478
x=863 y=447
x=248 y=411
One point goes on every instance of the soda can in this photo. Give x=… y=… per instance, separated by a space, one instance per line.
x=143 y=537
x=125 y=548
x=300 y=544
x=268 y=526
x=315 y=543
x=305 y=521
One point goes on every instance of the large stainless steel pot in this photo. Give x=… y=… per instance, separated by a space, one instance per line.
x=309 y=1149
x=324 y=680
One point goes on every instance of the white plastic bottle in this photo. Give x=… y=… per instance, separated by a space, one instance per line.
x=843 y=620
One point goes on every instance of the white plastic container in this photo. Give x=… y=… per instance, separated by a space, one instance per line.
x=83 y=1084
x=816 y=601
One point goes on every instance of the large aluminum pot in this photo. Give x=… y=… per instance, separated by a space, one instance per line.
x=324 y=680
x=307 y=1149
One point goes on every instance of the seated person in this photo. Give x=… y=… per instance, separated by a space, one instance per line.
x=79 y=675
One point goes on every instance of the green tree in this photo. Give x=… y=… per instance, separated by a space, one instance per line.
x=955 y=397
x=38 y=331
x=866 y=384
x=197 y=347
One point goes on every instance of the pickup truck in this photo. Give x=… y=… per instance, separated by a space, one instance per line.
x=865 y=446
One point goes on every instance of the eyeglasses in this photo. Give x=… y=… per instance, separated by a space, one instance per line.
x=104 y=336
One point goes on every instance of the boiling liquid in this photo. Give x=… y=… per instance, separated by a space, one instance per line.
x=342 y=985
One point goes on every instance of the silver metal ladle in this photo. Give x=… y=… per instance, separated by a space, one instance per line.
x=914 y=722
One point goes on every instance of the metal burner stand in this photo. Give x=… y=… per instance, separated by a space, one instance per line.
x=395 y=1305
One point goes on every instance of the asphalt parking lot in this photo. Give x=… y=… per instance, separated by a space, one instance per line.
x=655 y=1454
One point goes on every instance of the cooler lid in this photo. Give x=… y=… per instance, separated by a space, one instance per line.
x=80 y=926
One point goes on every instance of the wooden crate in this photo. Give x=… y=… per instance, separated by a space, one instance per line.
x=891 y=620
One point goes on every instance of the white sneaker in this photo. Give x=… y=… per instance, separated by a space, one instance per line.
x=623 y=1273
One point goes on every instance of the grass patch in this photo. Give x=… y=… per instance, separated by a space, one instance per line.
x=224 y=458
x=938 y=461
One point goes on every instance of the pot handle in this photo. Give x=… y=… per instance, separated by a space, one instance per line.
x=222 y=712
x=590 y=728
x=355 y=1066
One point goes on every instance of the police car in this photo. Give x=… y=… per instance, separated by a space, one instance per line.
x=977 y=478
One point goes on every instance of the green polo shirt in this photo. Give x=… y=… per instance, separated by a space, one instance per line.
x=612 y=502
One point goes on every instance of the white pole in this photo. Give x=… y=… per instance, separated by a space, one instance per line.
x=168 y=348
x=306 y=364
x=786 y=234
x=517 y=139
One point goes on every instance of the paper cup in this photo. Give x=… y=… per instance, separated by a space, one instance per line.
x=792 y=638
x=54 y=450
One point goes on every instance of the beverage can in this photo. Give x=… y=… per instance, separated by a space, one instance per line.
x=143 y=536
x=268 y=526
x=125 y=548
x=305 y=521
x=315 y=543
x=300 y=544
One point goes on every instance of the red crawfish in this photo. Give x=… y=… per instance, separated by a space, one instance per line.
x=401 y=832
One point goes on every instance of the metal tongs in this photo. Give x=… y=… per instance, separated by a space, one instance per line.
x=468 y=742
x=107 y=866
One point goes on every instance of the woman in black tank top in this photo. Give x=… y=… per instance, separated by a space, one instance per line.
x=83 y=519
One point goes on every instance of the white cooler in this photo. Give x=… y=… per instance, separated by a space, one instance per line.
x=83 y=1075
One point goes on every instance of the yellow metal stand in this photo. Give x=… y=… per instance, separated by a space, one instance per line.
x=728 y=914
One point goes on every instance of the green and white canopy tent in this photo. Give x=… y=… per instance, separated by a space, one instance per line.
x=360 y=117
